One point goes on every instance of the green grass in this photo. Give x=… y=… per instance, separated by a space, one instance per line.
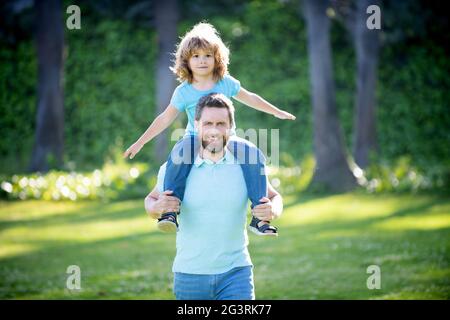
x=323 y=251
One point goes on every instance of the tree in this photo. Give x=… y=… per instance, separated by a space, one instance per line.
x=367 y=51
x=353 y=15
x=49 y=139
x=166 y=17
x=332 y=171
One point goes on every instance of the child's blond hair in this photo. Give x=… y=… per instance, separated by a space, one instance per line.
x=202 y=36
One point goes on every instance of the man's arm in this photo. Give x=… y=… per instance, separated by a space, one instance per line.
x=271 y=207
x=276 y=199
x=149 y=203
x=157 y=203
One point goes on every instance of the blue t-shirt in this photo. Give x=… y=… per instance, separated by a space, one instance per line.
x=185 y=97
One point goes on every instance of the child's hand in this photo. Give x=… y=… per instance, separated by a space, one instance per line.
x=284 y=115
x=133 y=150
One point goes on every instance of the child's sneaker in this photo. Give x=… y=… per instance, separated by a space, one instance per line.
x=264 y=230
x=168 y=222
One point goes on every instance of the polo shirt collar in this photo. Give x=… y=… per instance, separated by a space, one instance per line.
x=226 y=159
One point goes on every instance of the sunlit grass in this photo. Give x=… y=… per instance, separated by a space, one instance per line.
x=429 y=222
x=323 y=251
x=15 y=249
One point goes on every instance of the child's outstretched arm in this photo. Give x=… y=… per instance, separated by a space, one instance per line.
x=256 y=102
x=158 y=125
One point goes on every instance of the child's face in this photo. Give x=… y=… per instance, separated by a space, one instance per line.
x=201 y=63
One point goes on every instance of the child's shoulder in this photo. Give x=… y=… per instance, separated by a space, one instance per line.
x=229 y=79
x=230 y=84
x=182 y=85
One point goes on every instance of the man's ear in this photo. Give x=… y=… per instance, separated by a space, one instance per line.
x=196 y=124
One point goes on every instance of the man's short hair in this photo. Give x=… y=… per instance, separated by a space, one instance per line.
x=215 y=100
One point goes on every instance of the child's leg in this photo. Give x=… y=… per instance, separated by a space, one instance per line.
x=252 y=162
x=179 y=165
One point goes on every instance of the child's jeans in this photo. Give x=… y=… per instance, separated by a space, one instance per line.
x=250 y=158
x=236 y=284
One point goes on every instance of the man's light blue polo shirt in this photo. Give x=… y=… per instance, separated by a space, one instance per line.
x=212 y=236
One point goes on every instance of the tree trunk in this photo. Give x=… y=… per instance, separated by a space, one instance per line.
x=49 y=140
x=166 y=17
x=367 y=50
x=332 y=172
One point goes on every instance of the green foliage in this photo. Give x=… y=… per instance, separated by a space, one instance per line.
x=109 y=88
x=413 y=117
x=18 y=72
x=116 y=180
x=292 y=179
x=402 y=175
x=271 y=60
x=108 y=94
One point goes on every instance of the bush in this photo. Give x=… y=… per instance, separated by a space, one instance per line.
x=114 y=181
x=402 y=175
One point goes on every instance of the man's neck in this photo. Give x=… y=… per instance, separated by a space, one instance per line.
x=214 y=157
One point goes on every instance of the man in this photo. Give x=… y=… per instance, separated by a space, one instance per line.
x=212 y=259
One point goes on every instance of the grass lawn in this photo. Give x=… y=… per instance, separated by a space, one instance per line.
x=323 y=251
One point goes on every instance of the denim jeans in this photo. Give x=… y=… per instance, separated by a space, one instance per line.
x=236 y=284
x=250 y=158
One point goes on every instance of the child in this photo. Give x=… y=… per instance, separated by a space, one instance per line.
x=202 y=66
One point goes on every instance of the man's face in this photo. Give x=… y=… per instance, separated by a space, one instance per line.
x=213 y=129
